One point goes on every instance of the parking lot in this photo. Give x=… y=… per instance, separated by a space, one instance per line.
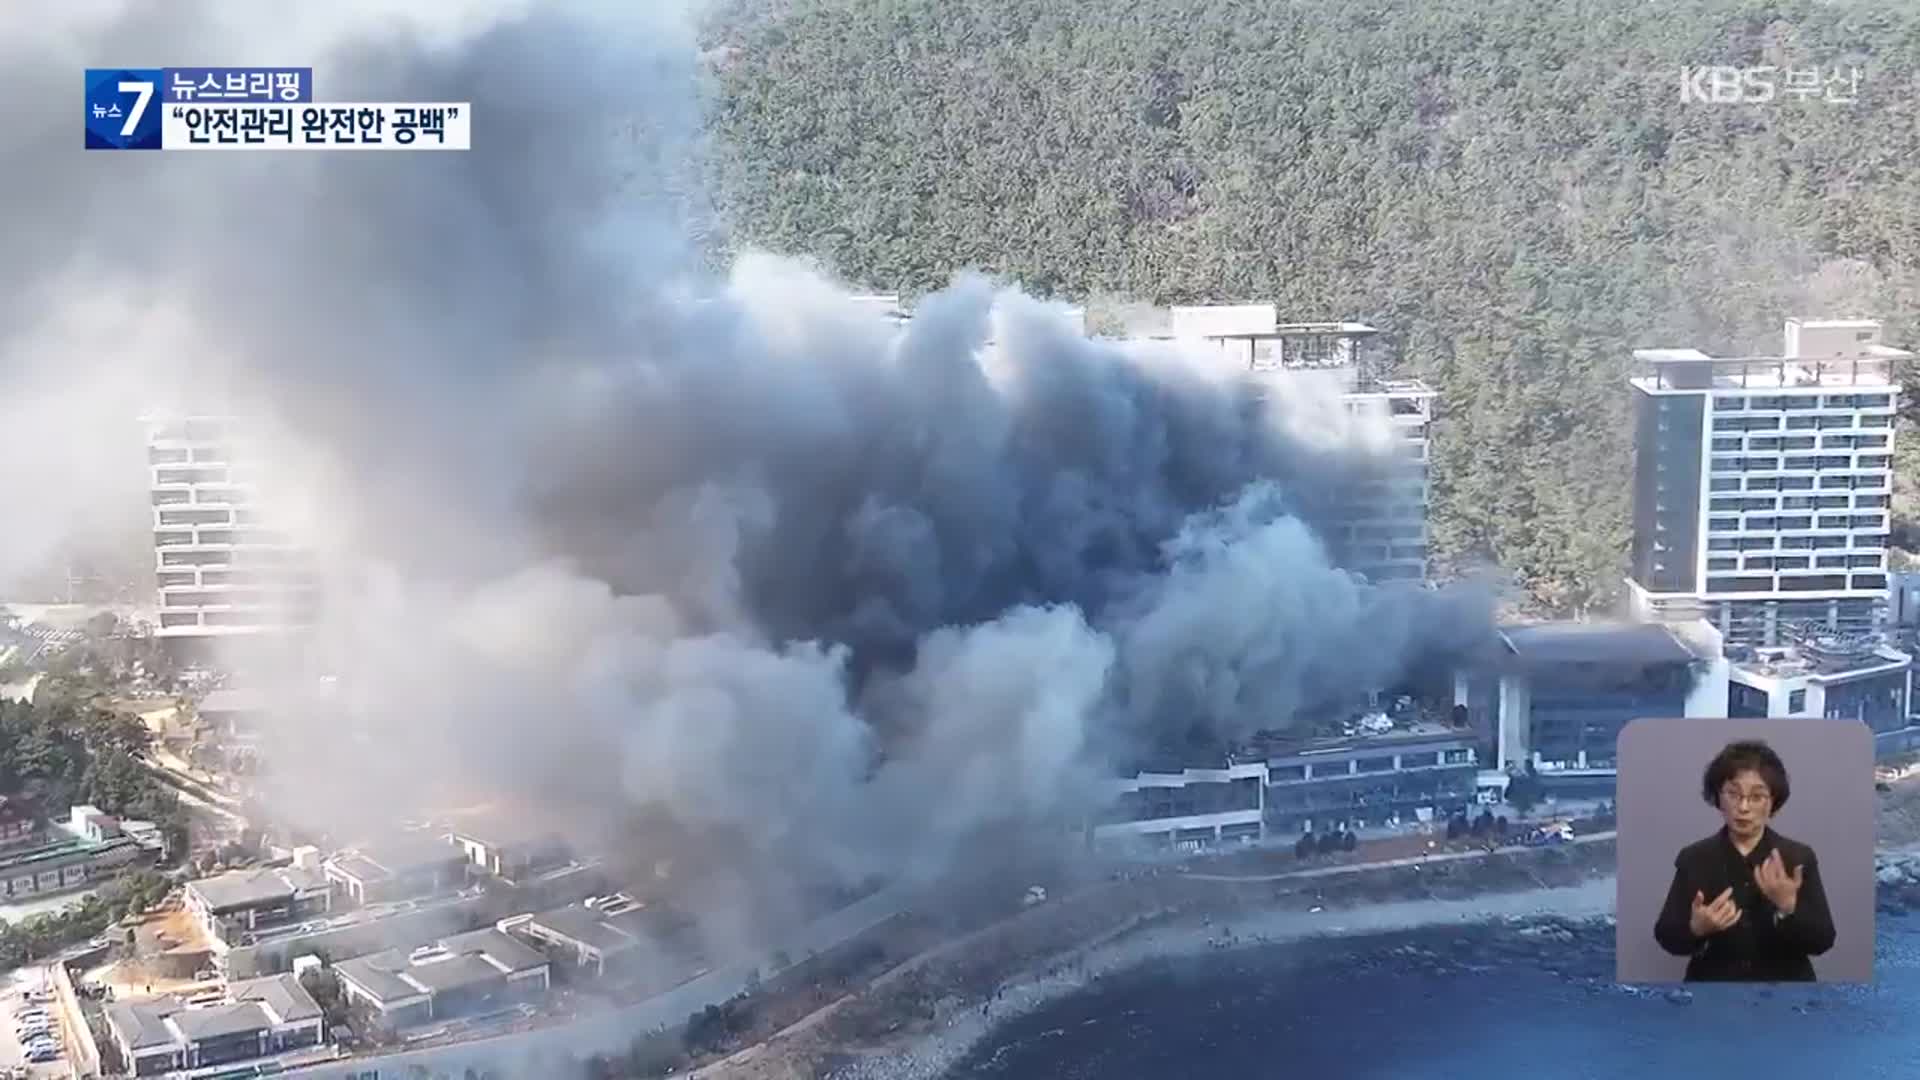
x=13 y=1000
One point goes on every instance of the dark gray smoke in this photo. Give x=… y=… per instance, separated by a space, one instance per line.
x=608 y=531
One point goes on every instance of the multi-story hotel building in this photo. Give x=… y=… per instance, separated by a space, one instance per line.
x=1378 y=527
x=220 y=568
x=1762 y=484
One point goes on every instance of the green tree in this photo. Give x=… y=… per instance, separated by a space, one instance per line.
x=1513 y=191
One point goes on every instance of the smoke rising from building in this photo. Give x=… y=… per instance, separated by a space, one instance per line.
x=603 y=529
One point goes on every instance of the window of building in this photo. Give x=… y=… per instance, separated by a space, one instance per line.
x=1796 y=701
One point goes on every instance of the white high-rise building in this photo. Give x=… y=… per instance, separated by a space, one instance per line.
x=1379 y=527
x=1762 y=484
x=221 y=569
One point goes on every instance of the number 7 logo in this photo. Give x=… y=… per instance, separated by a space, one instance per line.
x=143 y=93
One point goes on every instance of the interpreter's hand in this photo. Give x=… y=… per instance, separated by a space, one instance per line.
x=1709 y=918
x=1780 y=887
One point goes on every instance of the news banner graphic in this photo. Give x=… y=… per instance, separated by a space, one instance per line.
x=255 y=109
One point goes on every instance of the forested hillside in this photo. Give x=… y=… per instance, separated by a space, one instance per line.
x=1514 y=191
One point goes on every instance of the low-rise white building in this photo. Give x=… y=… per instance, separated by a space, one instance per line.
x=1193 y=806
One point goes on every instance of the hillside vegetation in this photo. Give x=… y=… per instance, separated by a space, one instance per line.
x=1514 y=191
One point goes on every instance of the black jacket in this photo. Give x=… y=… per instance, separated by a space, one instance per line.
x=1763 y=946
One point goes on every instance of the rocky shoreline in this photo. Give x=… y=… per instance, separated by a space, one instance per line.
x=1565 y=929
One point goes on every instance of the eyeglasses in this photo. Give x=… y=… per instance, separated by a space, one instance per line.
x=1745 y=798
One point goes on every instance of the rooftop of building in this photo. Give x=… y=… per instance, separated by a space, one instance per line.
x=251 y=1005
x=254 y=886
x=467 y=959
x=1588 y=642
x=501 y=828
x=396 y=855
x=1815 y=354
x=61 y=847
x=1401 y=734
x=1823 y=657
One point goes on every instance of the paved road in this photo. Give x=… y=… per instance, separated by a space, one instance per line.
x=1411 y=860
x=539 y=1052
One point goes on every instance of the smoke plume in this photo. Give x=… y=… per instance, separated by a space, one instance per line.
x=605 y=529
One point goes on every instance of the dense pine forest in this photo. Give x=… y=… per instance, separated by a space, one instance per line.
x=1513 y=190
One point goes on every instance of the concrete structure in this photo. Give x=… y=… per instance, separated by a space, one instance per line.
x=1833 y=677
x=238 y=905
x=1414 y=771
x=1762 y=484
x=259 y=1017
x=356 y=931
x=1903 y=589
x=221 y=570
x=1193 y=806
x=458 y=975
x=1377 y=525
x=64 y=864
x=1554 y=696
x=509 y=850
x=88 y=823
x=605 y=932
x=407 y=865
x=36 y=861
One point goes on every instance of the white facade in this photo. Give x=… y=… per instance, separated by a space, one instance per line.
x=1380 y=527
x=1795 y=481
x=220 y=569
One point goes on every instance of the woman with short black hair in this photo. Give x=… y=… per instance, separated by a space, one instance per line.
x=1746 y=903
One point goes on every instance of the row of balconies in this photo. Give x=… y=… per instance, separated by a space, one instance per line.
x=1778 y=443
x=1799 y=402
x=1804 y=463
x=206 y=495
x=1794 y=542
x=1797 y=523
x=1767 y=585
x=1769 y=502
x=1865 y=489
x=219 y=578
x=1799 y=562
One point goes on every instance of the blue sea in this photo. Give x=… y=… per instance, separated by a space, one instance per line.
x=1481 y=1003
